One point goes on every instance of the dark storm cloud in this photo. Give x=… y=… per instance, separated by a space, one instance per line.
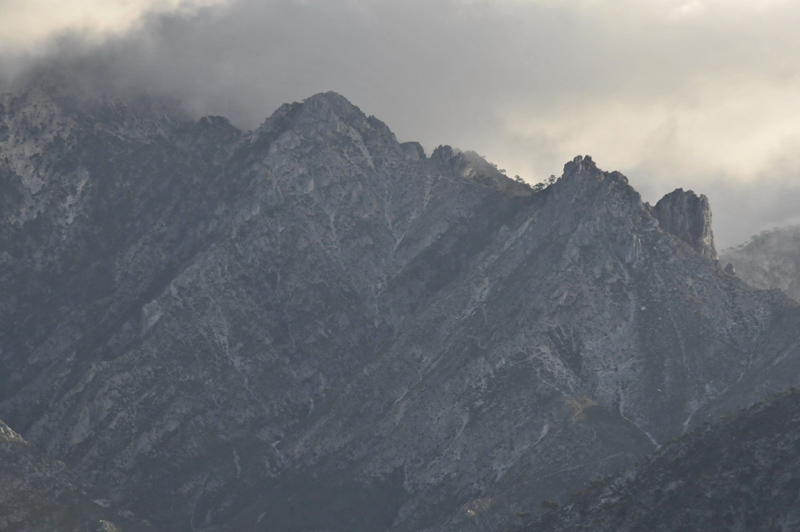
x=672 y=93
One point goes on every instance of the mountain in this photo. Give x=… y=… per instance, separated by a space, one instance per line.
x=770 y=259
x=740 y=473
x=312 y=326
x=39 y=494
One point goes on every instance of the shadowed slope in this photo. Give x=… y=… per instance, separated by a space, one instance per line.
x=740 y=473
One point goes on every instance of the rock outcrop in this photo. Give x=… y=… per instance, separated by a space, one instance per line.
x=687 y=216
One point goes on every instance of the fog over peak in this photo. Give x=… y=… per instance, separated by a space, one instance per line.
x=673 y=93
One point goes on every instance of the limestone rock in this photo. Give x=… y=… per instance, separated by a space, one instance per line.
x=687 y=216
x=302 y=327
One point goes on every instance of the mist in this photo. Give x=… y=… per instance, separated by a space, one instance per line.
x=701 y=95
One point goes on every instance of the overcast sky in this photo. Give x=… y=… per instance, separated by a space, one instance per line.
x=699 y=94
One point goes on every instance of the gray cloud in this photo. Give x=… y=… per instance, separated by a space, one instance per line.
x=696 y=94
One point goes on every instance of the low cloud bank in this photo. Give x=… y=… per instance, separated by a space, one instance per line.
x=699 y=94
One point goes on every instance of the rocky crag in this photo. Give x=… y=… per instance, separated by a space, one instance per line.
x=313 y=326
x=741 y=473
x=770 y=259
x=687 y=216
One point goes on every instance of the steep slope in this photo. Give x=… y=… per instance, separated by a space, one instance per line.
x=594 y=305
x=740 y=473
x=38 y=494
x=769 y=260
x=313 y=326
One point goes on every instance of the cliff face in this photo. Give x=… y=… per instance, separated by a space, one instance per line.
x=687 y=216
x=313 y=326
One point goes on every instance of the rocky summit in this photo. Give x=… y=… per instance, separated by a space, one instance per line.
x=312 y=326
x=687 y=216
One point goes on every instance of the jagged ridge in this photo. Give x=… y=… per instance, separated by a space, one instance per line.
x=307 y=325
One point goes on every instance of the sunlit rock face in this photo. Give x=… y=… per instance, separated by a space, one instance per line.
x=770 y=259
x=314 y=327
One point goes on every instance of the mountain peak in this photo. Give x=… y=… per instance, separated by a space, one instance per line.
x=583 y=182
x=315 y=324
x=325 y=113
x=333 y=99
x=687 y=216
x=584 y=166
x=580 y=164
x=681 y=213
x=331 y=104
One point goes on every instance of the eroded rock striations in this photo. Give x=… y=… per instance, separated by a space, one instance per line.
x=312 y=326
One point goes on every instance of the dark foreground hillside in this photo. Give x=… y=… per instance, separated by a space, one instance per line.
x=740 y=473
x=40 y=494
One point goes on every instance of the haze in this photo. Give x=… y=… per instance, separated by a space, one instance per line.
x=698 y=94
